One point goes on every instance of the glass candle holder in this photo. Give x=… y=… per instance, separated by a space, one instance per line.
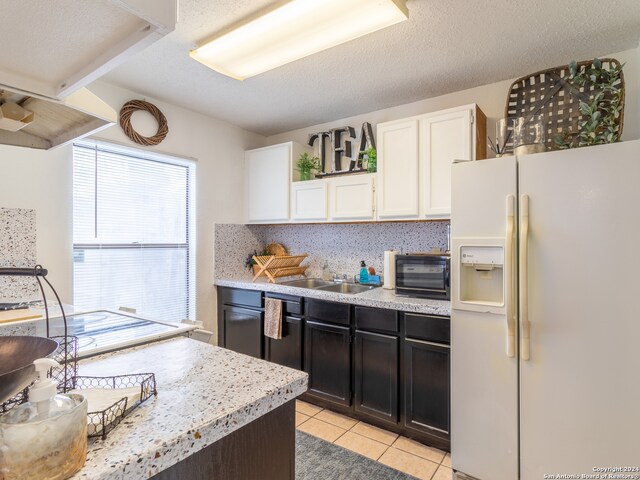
x=503 y=136
x=528 y=136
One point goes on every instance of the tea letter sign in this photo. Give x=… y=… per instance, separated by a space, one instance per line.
x=341 y=146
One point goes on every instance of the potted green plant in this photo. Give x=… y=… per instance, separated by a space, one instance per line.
x=372 y=159
x=306 y=164
x=250 y=263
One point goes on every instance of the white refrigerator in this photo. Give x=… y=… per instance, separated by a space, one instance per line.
x=545 y=327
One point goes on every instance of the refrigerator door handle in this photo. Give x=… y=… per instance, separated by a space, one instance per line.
x=508 y=280
x=525 y=325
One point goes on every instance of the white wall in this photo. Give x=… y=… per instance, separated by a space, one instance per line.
x=491 y=99
x=42 y=180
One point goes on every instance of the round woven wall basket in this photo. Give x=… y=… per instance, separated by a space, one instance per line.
x=133 y=106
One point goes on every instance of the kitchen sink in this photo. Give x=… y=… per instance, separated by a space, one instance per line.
x=308 y=283
x=346 y=288
x=328 y=286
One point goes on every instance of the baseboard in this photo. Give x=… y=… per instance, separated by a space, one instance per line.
x=462 y=476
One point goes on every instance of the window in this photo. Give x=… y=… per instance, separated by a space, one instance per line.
x=132 y=231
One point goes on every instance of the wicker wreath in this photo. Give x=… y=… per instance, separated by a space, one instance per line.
x=133 y=106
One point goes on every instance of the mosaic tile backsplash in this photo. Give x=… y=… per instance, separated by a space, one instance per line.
x=341 y=246
x=17 y=249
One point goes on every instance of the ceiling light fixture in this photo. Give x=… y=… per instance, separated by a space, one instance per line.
x=297 y=29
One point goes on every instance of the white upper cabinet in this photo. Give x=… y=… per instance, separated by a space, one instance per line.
x=268 y=179
x=415 y=157
x=351 y=198
x=443 y=139
x=309 y=201
x=397 y=176
x=413 y=181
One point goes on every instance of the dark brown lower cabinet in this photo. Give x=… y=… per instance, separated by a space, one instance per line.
x=288 y=350
x=243 y=330
x=394 y=374
x=376 y=375
x=327 y=360
x=426 y=369
x=241 y=455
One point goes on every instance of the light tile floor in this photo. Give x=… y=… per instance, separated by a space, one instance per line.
x=404 y=454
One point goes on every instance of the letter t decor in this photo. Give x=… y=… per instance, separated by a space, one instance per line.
x=320 y=136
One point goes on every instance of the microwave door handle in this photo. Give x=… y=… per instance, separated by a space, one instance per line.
x=525 y=325
x=438 y=290
x=508 y=280
x=447 y=278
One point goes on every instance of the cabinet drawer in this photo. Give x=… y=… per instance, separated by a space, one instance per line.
x=291 y=305
x=380 y=319
x=427 y=327
x=236 y=296
x=328 y=311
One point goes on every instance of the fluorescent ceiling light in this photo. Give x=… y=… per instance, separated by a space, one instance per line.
x=295 y=30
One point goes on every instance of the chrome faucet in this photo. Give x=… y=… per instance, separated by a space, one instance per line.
x=337 y=278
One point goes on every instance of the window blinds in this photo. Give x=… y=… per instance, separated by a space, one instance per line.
x=131 y=219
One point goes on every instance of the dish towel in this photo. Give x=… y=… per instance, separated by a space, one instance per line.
x=273 y=318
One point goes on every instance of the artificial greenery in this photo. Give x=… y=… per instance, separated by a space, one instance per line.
x=250 y=262
x=306 y=164
x=372 y=159
x=601 y=114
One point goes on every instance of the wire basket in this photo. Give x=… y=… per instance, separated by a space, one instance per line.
x=17 y=399
x=67 y=352
x=67 y=356
x=100 y=423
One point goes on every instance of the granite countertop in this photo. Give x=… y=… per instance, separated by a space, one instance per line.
x=204 y=393
x=376 y=297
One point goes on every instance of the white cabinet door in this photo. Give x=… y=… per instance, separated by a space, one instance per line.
x=268 y=174
x=309 y=200
x=397 y=178
x=443 y=139
x=351 y=197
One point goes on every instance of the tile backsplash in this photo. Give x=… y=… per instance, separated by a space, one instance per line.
x=18 y=249
x=232 y=244
x=341 y=246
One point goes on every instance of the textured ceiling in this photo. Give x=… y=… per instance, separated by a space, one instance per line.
x=54 y=38
x=445 y=46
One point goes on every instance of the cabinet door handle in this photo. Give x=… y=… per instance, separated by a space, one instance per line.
x=508 y=277
x=525 y=325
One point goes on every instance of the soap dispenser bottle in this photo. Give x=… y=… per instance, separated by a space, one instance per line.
x=45 y=438
x=326 y=273
x=364 y=273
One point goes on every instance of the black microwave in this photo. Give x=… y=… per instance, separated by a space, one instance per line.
x=424 y=275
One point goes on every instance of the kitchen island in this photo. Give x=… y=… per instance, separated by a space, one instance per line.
x=218 y=414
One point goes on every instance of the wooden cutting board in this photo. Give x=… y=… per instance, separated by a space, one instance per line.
x=17 y=315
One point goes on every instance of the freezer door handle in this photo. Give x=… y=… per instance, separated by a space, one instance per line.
x=525 y=325
x=508 y=280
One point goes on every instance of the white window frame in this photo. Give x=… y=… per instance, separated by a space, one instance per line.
x=190 y=164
